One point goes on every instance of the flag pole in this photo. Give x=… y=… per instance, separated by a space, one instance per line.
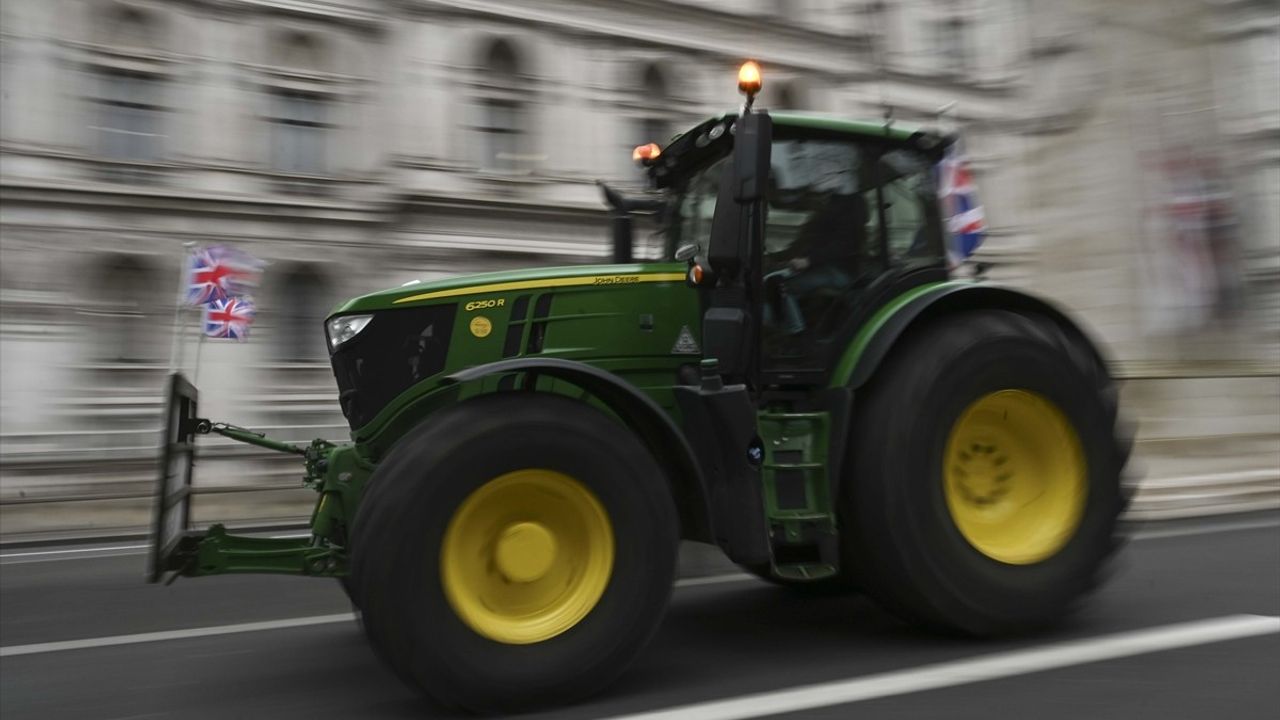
x=175 y=350
x=195 y=371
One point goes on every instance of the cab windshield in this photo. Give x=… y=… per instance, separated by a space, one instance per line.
x=871 y=204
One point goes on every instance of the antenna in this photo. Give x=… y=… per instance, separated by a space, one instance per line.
x=945 y=113
x=877 y=8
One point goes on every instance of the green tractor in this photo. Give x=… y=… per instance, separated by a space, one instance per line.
x=801 y=384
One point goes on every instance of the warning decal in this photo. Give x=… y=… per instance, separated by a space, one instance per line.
x=685 y=344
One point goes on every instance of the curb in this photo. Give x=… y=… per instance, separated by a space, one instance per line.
x=1155 y=500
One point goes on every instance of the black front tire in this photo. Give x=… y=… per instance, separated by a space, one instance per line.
x=401 y=523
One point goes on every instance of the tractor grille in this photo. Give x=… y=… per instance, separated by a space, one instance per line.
x=397 y=349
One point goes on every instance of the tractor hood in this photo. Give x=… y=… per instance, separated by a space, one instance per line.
x=388 y=348
x=511 y=281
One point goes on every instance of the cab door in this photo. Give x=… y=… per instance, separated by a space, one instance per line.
x=849 y=224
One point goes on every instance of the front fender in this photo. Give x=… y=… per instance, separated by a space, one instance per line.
x=638 y=411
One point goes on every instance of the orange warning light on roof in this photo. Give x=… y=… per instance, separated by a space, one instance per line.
x=749 y=80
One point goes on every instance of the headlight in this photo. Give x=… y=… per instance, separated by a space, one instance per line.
x=345 y=327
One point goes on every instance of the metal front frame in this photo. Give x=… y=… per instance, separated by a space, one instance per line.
x=173 y=488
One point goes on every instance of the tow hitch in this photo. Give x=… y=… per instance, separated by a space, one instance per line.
x=334 y=471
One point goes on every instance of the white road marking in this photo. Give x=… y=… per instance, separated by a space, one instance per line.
x=971 y=670
x=6 y=556
x=87 y=643
x=65 y=558
x=1205 y=529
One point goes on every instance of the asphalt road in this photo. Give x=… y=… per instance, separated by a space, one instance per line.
x=1188 y=627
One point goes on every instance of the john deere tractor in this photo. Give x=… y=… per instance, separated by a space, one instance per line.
x=800 y=383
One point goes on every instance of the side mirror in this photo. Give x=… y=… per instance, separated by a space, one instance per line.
x=686 y=253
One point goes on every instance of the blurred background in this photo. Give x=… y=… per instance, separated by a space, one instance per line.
x=1127 y=154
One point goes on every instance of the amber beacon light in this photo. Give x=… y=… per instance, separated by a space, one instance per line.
x=749 y=79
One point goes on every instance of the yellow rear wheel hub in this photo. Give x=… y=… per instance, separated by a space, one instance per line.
x=1015 y=478
x=527 y=556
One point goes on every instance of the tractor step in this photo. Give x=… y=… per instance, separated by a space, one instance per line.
x=797 y=490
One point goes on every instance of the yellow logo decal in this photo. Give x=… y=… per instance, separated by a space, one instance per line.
x=480 y=326
x=484 y=304
x=615 y=279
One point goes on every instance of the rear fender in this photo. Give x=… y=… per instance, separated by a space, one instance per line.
x=881 y=334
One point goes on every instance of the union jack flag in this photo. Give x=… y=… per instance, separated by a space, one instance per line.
x=217 y=273
x=229 y=318
x=966 y=223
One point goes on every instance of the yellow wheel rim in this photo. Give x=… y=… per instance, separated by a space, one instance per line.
x=526 y=556
x=1015 y=477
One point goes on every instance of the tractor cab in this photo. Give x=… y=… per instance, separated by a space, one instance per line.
x=796 y=230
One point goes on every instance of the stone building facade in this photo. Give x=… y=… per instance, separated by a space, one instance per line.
x=357 y=144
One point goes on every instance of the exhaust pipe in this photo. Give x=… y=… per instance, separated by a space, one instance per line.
x=623 y=229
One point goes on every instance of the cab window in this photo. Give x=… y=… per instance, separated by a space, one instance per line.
x=841 y=214
x=821 y=235
x=912 y=226
x=694 y=208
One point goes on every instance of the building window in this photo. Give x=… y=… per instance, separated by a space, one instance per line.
x=125 y=324
x=653 y=89
x=952 y=43
x=299 y=133
x=126 y=117
x=503 y=125
x=657 y=121
x=304 y=294
x=301 y=52
x=503 y=131
x=129 y=116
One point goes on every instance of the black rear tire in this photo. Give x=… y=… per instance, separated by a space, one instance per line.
x=899 y=536
x=401 y=525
